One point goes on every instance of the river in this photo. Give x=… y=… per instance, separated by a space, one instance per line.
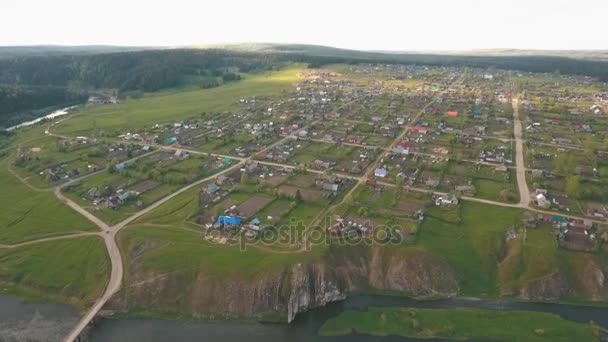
x=52 y=115
x=34 y=322
x=37 y=322
x=305 y=326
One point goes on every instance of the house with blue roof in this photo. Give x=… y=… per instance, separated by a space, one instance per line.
x=228 y=220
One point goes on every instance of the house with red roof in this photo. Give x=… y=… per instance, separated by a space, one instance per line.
x=419 y=129
x=452 y=113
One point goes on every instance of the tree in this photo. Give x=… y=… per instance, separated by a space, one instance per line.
x=298 y=196
x=590 y=150
x=573 y=187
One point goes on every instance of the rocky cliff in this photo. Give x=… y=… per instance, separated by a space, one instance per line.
x=298 y=288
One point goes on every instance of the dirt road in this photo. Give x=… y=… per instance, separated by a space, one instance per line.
x=524 y=192
x=114 y=253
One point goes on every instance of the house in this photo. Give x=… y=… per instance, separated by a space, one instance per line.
x=446 y=200
x=329 y=183
x=93 y=193
x=597 y=210
x=221 y=179
x=228 y=220
x=419 y=129
x=120 y=166
x=401 y=150
x=511 y=234
x=320 y=164
x=542 y=200
x=452 y=113
x=465 y=189
x=581 y=224
x=432 y=183
x=380 y=172
x=212 y=188
x=123 y=197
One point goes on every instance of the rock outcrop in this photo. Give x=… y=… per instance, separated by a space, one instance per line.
x=283 y=295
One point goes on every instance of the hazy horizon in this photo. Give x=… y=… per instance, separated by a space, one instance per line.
x=383 y=25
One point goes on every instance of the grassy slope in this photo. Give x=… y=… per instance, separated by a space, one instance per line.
x=459 y=324
x=73 y=271
x=179 y=250
x=530 y=260
x=29 y=214
x=172 y=106
x=471 y=246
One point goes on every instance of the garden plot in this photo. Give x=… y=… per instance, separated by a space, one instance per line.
x=125 y=188
x=58 y=160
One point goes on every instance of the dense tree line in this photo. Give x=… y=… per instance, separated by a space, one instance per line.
x=30 y=83
x=20 y=98
x=143 y=70
x=19 y=103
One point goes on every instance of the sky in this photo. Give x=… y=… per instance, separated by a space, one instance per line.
x=355 y=24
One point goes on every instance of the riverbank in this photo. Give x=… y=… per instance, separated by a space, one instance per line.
x=54 y=114
x=305 y=327
x=459 y=324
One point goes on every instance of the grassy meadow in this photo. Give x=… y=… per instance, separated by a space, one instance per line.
x=460 y=324
x=28 y=214
x=164 y=250
x=73 y=271
x=471 y=244
x=171 y=106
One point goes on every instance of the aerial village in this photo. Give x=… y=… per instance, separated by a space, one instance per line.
x=358 y=144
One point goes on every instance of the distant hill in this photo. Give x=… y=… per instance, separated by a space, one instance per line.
x=7 y=52
x=328 y=51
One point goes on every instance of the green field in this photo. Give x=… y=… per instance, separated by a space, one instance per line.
x=460 y=324
x=472 y=246
x=29 y=214
x=169 y=248
x=526 y=261
x=72 y=271
x=173 y=106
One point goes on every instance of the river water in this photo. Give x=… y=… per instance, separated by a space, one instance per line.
x=52 y=115
x=35 y=322
x=305 y=327
x=38 y=322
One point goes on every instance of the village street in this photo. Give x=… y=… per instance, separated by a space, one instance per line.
x=524 y=192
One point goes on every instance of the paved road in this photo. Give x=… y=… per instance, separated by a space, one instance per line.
x=524 y=192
